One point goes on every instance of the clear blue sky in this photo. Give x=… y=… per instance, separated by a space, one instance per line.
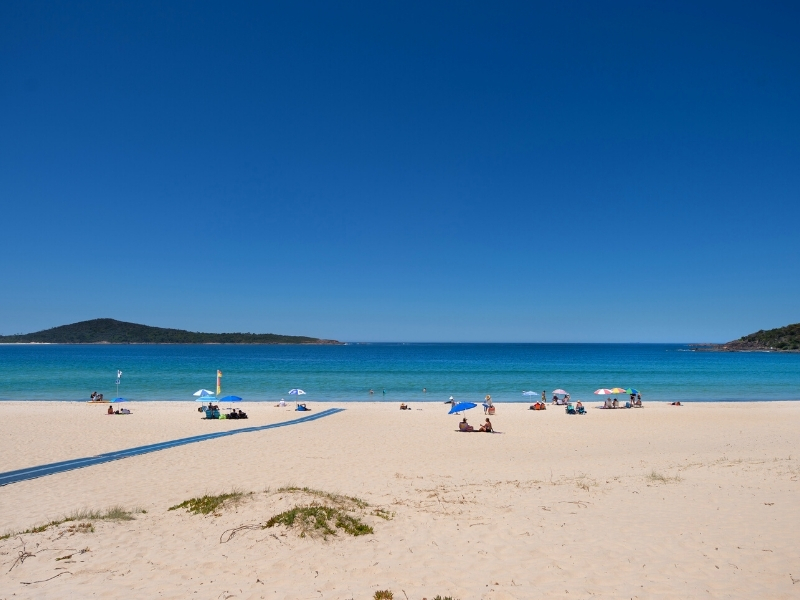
x=378 y=171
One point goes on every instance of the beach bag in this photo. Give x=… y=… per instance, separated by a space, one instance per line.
x=491 y=410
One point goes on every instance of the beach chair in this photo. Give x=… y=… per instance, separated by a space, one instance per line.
x=571 y=409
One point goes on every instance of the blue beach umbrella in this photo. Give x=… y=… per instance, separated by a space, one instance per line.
x=230 y=399
x=296 y=392
x=461 y=406
x=119 y=400
x=531 y=393
x=206 y=399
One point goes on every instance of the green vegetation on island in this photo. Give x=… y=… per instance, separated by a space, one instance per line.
x=111 y=331
x=782 y=339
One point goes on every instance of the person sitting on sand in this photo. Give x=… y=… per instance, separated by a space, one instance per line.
x=464 y=426
x=676 y=403
x=281 y=404
x=404 y=406
x=124 y=411
x=487 y=427
x=579 y=405
x=92 y=397
x=615 y=403
x=110 y=410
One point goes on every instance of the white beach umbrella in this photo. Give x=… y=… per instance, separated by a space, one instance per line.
x=203 y=393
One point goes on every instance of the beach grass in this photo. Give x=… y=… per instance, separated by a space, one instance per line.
x=383 y=595
x=83 y=517
x=657 y=477
x=211 y=504
x=317 y=520
x=336 y=499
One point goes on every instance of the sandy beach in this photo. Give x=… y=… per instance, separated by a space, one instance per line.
x=663 y=502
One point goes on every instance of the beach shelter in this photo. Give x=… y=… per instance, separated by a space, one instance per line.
x=604 y=391
x=203 y=393
x=457 y=408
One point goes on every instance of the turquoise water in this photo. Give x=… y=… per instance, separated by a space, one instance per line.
x=327 y=373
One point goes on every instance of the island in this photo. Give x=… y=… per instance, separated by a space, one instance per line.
x=781 y=339
x=111 y=331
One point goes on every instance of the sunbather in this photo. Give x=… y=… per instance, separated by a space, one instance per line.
x=487 y=427
x=464 y=426
x=404 y=406
x=615 y=404
x=110 y=410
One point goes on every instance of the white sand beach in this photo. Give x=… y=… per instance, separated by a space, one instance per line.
x=698 y=501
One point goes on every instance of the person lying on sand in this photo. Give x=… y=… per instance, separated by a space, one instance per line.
x=281 y=404
x=487 y=427
x=464 y=426
x=676 y=404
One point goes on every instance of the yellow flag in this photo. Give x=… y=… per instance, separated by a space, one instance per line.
x=219 y=382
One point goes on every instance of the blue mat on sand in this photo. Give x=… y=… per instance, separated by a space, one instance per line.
x=79 y=463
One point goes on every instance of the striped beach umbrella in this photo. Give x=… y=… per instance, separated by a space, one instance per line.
x=604 y=391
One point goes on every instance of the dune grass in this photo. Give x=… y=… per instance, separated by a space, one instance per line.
x=657 y=477
x=211 y=504
x=336 y=499
x=319 y=520
x=383 y=595
x=83 y=517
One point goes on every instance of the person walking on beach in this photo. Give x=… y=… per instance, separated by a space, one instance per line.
x=544 y=396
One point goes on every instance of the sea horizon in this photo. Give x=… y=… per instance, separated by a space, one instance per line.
x=346 y=372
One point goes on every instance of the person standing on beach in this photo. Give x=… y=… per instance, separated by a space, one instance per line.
x=544 y=396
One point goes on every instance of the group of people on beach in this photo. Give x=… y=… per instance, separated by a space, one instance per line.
x=466 y=427
x=121 y=411
x=95 y=397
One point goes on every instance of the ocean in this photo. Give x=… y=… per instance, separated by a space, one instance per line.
x=396 y=372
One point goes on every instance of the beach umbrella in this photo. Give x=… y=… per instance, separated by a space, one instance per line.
x=617 y=390
x=296 y=392
x=203 y=393
x=206 y=399
x=631 y=391
x=119 y=400
x=560 y=392
x=457 y=408
x=531 y=393
x=230 y=399
x=604 y=391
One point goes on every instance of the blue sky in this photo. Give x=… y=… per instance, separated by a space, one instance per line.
x=577 y=171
